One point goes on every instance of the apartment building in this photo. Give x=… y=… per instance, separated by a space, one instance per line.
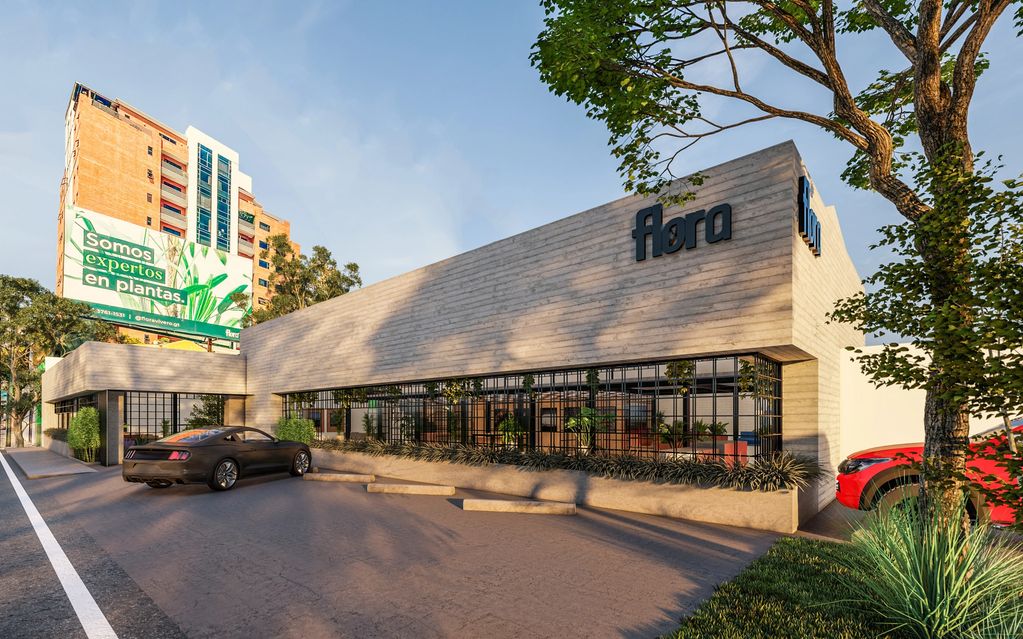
x=127 y=165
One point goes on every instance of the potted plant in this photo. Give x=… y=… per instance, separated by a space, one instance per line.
x=673 y=434
x=511 y=430
x=586 y=425
x=709 y=431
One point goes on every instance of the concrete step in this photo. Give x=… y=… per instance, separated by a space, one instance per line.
x=519 y=506
x=344 y=477
x=410 y=489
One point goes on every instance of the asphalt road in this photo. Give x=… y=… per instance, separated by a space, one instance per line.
x=282 y=557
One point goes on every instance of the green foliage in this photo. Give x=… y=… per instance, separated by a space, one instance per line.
x=208 y=412
x=34 y=324
x=929 y=580
x=296 y=429
x=83 y=434
x=967 y=346
x=779 y=472
x=680 y=373
x=57 y=434
x=367 y=425
x=165 y=428
x=587 y=424
x=672 y=434
x=511 y=429
x=707 y=430
x=797 y=590
x=299 y=281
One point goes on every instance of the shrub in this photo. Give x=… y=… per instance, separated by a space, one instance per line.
x=58 y=434
x=778 y=472
x=83 y=434
x=296 y=429
x=795 y=590
x=929 y=579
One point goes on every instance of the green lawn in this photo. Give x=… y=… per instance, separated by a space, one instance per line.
x=795 y=590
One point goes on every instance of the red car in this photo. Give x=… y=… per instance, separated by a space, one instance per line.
x=882 y=477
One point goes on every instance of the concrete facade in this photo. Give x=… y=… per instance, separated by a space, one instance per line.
x=569 y=294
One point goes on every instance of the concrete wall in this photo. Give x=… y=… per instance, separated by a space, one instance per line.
x=776 y=511
x=567 y=294
x=873 y=416
x=96 y=366
x=812 y=415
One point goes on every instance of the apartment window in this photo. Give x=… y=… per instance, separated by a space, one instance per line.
x=223 y=203
x=149 y=174
x=205 y=215
x=263 y=226
x=262 y=300
x=263 y=245
x=149 y=197
x=149 y=221
x=149 y=150
x=173 y=187
x=173 y=164
x=172 y=209
x=264 y=283
x=168 y=139
x=264 y=264
x=170 y=229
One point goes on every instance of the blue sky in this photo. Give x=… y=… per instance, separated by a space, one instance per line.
x=394 y=133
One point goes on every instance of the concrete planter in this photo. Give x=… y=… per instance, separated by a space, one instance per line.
x=775 y=511
x=57 y=446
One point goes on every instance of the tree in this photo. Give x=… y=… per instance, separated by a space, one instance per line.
x=298 y=280
x=35 y=324
x=623 y=60
x=209 y=411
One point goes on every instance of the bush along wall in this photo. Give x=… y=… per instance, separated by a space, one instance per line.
x=295 y=429
x=83 y=434
x=778 y=472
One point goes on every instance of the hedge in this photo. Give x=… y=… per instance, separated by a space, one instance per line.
x=777 y=472
x=83 y=434
x=296 y=429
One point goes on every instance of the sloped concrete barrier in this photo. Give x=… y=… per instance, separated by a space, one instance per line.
x=342 y=477
x=519 y=506
x=410 y=489
x=777 y=511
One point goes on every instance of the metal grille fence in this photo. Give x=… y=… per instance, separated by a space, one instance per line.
x=722 y=407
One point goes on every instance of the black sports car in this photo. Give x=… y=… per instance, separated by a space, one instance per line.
x=217 y=456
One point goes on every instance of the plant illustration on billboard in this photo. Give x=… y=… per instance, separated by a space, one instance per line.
x=136 y=276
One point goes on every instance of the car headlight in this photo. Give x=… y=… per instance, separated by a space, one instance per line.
x=855 y=465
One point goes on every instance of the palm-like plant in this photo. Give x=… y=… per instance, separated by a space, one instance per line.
x=511 y=430
x=587 y=424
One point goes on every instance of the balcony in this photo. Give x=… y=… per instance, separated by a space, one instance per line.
x=172 y=196
x=175 y=220
x=245 y=247
x=173 y=173
x=245 y=227
x=174 y=152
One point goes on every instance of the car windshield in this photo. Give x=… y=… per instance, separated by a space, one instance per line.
x=191 y=436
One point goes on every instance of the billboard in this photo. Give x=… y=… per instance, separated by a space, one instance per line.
x=137 y=276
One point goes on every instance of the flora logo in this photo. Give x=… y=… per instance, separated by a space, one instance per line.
x=809 y=225
x=679 y=231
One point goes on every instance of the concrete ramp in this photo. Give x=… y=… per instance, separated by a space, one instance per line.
x=410 y=489
x=38 y=463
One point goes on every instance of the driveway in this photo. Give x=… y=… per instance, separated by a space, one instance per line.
x=282 y=557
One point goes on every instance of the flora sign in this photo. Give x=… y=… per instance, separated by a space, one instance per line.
x=679 y=231
x=136 y=276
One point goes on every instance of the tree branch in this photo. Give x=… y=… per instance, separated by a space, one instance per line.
x=900 y=35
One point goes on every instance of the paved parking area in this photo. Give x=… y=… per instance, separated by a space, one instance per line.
x=282 y=557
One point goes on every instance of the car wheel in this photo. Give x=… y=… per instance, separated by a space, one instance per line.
x=224 y=475
x=158 y=484
x=300 y=465
x=898 y=498
x=905 y=496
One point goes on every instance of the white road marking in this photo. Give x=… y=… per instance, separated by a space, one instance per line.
x=92 y=618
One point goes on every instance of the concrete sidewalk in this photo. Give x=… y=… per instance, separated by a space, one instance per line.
x=37 y=463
